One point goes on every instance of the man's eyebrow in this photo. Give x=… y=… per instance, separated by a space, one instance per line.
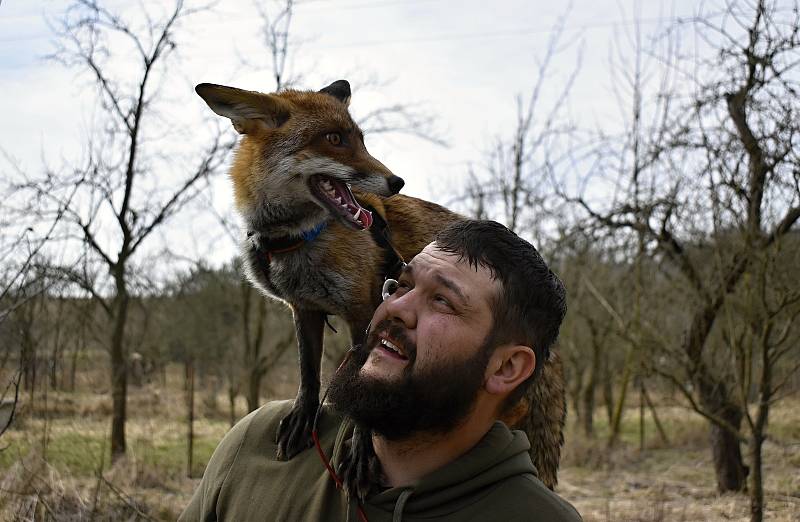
x=453 y=287
x=408 y=270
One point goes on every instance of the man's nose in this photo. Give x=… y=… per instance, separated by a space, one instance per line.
x=402 y=308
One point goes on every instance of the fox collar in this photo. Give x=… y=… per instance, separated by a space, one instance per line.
x=393 y=261
x=280 y=245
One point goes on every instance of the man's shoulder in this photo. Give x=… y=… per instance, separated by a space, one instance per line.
x=524 y=495
x=266 y=418
x=260 y=427
x=244 y=478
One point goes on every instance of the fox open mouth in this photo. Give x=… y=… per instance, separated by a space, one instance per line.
x=337 y=196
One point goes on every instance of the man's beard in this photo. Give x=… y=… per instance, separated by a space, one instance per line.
x=433 y=400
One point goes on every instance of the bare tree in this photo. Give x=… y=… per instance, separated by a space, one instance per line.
x=111 y=204
x=276 y=21
x=25 y=231
x=760 y=326
x=722 y=183
x=511 y=183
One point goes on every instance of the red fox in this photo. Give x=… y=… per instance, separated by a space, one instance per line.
x=308 y=192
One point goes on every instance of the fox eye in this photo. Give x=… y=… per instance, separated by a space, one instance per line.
x=334 y=138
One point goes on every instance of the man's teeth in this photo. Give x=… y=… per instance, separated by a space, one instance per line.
x=391 y=346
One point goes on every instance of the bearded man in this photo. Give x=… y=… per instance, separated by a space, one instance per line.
x=459 y=337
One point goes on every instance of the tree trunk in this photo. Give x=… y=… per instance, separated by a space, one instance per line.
x=608 y=394
x=589 y=391
x=189 y=417
x=759 y=426
x=757 y=482
x=588 y=409
x=714 y=395
x=619 y=408
x=119 y=373
x=73 y=367
x=80 y=342
x=232 y=405
x=56 y=354
x=254 y=389
x=575 y=389
x=726 y=450
x=253 y=347
x=654 y=413
x=728 y=465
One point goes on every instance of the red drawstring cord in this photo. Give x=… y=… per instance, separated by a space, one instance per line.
x=315 y=437
x=325 y=460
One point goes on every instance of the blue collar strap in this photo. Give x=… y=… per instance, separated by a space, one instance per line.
x=285 y=244
x=311 y=235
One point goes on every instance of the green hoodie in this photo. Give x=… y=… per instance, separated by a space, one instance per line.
x=494 y=481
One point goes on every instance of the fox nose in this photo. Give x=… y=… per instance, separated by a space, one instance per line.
x=395 y=183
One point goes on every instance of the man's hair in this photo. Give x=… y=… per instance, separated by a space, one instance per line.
x=532 y=301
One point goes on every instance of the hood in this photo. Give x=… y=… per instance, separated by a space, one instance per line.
x=500 y=454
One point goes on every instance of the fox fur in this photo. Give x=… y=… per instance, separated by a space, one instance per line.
x=296 y=147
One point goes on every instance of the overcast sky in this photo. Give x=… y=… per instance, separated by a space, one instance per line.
x=462 y=62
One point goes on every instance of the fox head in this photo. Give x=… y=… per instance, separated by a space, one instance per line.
x=299 y=155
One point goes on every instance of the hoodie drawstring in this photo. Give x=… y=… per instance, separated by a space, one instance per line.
x=397 y=516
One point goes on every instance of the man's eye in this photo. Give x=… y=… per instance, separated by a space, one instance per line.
x=334 y=138
x=442 y=300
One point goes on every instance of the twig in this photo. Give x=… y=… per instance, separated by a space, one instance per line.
x=15 y=381
x=126 y=499
x=96 y=493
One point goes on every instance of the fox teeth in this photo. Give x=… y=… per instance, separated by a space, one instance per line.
x=338 y=200
x=358 y=213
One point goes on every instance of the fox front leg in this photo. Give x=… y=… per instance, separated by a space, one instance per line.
x=294 y=432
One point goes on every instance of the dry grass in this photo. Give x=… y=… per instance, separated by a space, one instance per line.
x=55 y=465
x=675 y=481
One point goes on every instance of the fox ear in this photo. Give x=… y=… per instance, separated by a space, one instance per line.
x=249 y=111
x=340 y=89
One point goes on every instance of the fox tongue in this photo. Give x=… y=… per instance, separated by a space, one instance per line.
x=365 y=218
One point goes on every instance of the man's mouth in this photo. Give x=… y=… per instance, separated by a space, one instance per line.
x=391 y=349
x=337 y=196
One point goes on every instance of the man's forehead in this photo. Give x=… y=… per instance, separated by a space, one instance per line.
x=433 y=253
x=433 y=256
x=454 y=267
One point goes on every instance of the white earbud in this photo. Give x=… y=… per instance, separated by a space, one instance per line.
x=389 y=287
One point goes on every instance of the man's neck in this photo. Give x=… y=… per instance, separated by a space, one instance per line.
x=404 y=462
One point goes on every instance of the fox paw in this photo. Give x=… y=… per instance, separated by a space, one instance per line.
x=294 y=432
x=360 y=468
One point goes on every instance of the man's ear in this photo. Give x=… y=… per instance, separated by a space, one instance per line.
x=508 y=367
x=249 y=111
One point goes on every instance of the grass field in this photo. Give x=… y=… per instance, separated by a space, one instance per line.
x=54 y=462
